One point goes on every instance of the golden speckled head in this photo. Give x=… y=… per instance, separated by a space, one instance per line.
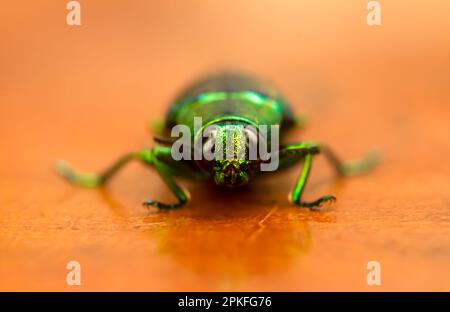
x=226 y=153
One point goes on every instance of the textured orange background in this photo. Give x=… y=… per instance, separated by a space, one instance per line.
x=87 y=93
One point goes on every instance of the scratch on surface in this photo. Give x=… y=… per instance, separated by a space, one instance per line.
x=261 y=225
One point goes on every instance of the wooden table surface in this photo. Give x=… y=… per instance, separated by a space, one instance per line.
x=87 y=93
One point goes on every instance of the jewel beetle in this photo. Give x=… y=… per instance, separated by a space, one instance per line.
x=230 y=102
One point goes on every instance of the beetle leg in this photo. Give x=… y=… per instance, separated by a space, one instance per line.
x=158 y=158
x=294 y=152
x=91 y=179
x=351 y=168
x=155 y=157
x=303 y=151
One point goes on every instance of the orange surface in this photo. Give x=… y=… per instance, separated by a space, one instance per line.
x=86 y=94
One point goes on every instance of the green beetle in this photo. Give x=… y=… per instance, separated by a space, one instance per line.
x=229 y=102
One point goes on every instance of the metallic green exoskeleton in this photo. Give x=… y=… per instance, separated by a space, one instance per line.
x=228 y=101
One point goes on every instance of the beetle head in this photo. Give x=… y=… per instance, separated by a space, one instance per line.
x=226 y=153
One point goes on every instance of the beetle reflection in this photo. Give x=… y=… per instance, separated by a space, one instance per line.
x=232 y=239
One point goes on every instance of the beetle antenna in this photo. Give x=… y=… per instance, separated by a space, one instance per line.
x=163 y=140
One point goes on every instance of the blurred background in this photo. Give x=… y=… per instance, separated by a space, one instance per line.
x=87 y=94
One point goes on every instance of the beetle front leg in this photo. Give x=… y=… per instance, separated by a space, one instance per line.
x=289 y=154
x=155 y=157
x=303 y=151
x=158 y=158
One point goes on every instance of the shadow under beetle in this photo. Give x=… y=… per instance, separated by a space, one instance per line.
x=226 y=100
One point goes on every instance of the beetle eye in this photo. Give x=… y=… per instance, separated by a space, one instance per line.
x=209 y=146
x=252 y=137
x=210 y=143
